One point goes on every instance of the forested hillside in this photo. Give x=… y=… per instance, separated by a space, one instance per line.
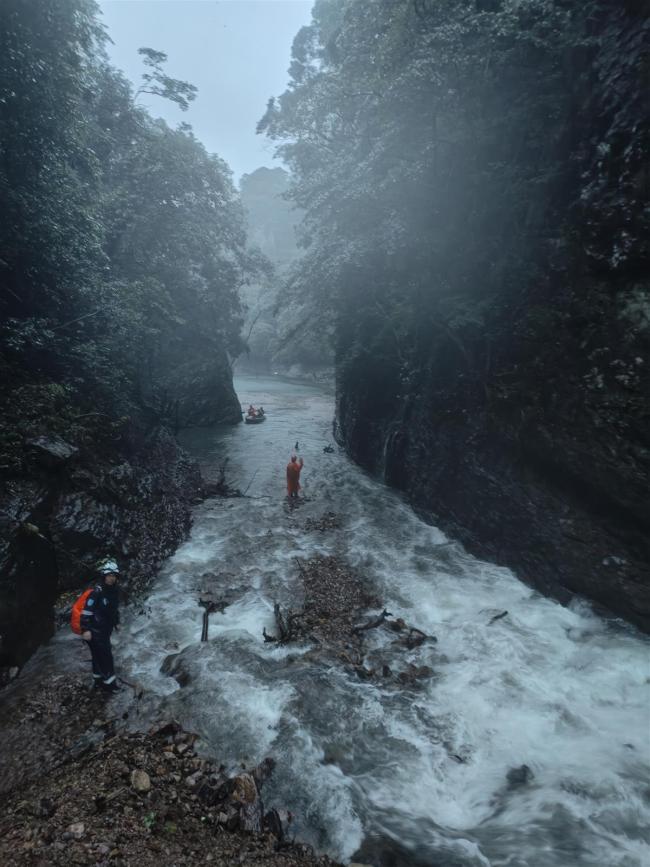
x=120 y=239
x=474 y=179
x=277 y=328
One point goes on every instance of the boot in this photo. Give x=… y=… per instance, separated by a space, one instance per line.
x=111 y=687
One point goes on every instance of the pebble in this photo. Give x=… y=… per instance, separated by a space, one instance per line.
x=193 y=779
x=140 y=781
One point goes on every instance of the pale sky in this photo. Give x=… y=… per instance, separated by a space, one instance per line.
x=237 y=52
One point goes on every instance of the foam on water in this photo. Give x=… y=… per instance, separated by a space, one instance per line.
x=556 y=689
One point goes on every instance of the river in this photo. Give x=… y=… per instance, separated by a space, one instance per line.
x=557 y=689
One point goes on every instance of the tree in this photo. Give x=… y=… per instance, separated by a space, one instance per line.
x=158 y=83
x=122 y=241
x=414 y=132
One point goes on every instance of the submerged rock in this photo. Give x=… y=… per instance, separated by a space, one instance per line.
x=520 y=776
x=51 y=451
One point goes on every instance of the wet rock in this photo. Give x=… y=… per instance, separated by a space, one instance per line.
x=385 y=852
x=415 y=638
x=175 y=665
x=457 y=758
x=397 y=625
x=245 y=794
x=232 y=819
x=277 y=822
x=244 y=790
x=192 y=780
x=51 y=451
x=518 y=777
x=166 y=728
x=414 y=673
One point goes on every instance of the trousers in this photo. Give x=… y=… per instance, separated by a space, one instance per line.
x=102 y=657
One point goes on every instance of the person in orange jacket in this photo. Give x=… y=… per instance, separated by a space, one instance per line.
x=294 y=467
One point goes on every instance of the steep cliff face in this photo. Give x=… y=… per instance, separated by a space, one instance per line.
x=522 y=428
x=74 y=506
x=192 y=382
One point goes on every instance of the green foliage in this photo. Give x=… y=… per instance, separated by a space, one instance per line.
x=158 y=83
x=416 y=133
x=121 y=238
x=446 y=158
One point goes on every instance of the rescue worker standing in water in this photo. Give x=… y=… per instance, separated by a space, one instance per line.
x=99 y=617
x=294 y=467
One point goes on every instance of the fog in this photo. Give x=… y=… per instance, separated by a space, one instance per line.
x=372 y=414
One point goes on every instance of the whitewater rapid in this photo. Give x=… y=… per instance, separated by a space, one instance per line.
x=557 y=689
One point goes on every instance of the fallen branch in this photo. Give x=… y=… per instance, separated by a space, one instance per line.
x=415 y=638
x=285 y=624
x=210 y=607
x=250 y=483
x=372 y=624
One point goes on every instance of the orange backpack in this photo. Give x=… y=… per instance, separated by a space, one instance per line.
x=77 y=608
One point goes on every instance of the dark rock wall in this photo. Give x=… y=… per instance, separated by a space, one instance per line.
x=133 y=504
x=190 y=380
x=528 y=437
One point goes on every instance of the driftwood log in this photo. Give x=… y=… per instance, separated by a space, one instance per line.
x=210 y=606
x=372 y=624
x=286 y=626
x=415 y=638
x=245 y=794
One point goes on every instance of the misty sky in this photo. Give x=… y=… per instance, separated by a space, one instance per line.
x=236 y=52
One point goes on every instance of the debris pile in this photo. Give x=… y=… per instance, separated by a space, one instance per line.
x=327 y=521
x=335 y=599
x=334 y=596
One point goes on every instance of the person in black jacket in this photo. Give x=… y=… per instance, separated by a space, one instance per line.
x=98 y=619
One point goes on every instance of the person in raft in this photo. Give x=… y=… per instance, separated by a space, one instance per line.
x=294 y=467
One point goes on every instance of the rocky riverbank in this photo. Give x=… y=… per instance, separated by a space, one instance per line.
x=89 y=780
x=85 y=786
x=71 y=505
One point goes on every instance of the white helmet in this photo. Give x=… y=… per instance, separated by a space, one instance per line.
x=106 y=567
